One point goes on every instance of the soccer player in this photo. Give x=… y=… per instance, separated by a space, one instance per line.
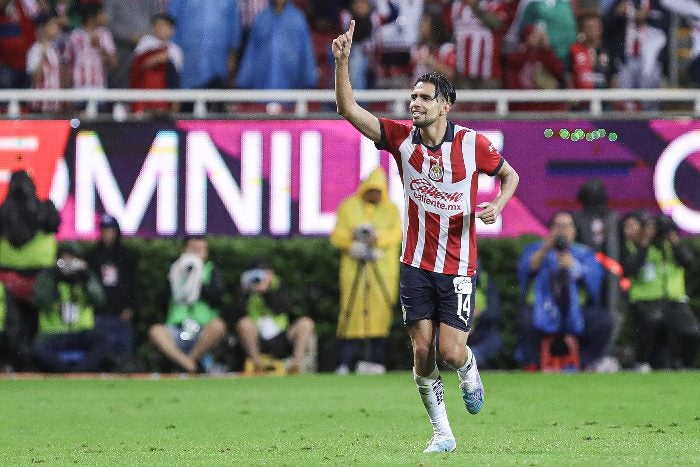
x=439 y=163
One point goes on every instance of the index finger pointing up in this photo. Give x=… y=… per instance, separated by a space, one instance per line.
x=351 y=29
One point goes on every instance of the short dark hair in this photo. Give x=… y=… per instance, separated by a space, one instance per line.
x=91 y=10
x=557 y=214
x=443 y=86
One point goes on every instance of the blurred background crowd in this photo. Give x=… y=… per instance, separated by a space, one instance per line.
x=285 y=44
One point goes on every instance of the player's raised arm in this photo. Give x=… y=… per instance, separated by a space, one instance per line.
x=360 y=118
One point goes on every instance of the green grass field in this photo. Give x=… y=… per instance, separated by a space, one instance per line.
x=528 y=419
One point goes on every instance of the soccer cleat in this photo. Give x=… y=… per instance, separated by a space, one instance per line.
x=440 y=445
x=473 y=389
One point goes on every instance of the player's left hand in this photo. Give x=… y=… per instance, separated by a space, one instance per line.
x=489 y=212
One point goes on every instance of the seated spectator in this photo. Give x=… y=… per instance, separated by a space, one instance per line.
x=28 y=229
x=485 y=338
x=157 y=63
x=266 y=326
x=637 y=38
x=209 y=34
x=193 y=326
x=43 y=61
x=690 y=10
x=590 y=62
x=434 y=50
x=560 y=293
x=655 y=259
x=17 y=34
x=279 y=52
x=534 y=65
x=115 y=265
x=66 y=296
x=90 y=51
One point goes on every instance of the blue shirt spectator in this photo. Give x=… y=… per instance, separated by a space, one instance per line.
x=279 y=53
x=549 y=312
x=561 y=294
x=209 y=33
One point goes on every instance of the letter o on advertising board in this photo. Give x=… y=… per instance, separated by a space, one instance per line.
x=664 y=176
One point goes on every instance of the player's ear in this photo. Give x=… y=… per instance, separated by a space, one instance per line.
x=446 y=106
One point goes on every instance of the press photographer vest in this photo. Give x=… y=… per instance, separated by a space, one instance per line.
x=71 y=312
x=38 y=253
x=660 y=278
x=199 y=311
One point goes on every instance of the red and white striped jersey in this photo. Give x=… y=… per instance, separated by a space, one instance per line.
x=478 y=47
x=87 y=63
x=440 y=186
x=44 y=59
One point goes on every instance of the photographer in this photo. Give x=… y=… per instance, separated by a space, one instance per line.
x=265 y=325
x=27 y=246
x=368 y=235
x=193 y=326
x=115 y=264
x=561 y=295
x=655 y=259
x=66 y=296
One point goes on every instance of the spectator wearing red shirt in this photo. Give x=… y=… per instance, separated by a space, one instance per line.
x=157 y=62
x=16 y=37
x=590 y=62
x=534 y=65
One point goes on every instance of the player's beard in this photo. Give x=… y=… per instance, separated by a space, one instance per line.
x=424 y=122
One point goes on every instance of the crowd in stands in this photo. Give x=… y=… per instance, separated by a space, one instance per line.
x=285 y=44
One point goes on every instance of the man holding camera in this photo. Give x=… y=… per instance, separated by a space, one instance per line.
x=561 y=295
x=193 y=326
x=655 y=259
x=66 y=296
x=368 y=234
x=265 y=326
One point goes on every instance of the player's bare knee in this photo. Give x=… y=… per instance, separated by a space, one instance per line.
x=421 y=353
x=452 y=355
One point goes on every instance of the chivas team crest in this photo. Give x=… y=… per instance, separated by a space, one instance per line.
x=436 y=173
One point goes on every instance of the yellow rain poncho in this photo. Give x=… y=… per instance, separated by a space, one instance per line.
x=367 y=313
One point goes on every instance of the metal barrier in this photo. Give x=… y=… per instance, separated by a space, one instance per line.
x=310 y=103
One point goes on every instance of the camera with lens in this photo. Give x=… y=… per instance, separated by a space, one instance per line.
x=665 y=225
x=69 y=267
x=252 y=277
x=561 y=243
x=364 y=233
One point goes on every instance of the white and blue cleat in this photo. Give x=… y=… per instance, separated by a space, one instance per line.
x=473 y=390
x=440 y=445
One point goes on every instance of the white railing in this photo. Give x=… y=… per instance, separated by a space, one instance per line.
x=684 y=102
